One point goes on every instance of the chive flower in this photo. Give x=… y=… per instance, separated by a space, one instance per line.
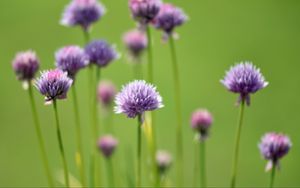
x=144 y=11
x=201 y=122
x=83 y=13
x=244 y=79
x=163 y=160
x=136 y=42
x=53 y=84
x=106 y=93
x=136 y=98
x=107 y=145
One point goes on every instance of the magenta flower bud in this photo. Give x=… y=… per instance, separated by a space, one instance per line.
x=201 y=121
x=163 y=160
x=25 y=65
x=107 y=145
x=136 y=42
x=106 y=93
x=54 y=84
x=273 y=147
x=144 y=11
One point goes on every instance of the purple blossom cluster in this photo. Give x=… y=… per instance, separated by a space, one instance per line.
x=107 y=145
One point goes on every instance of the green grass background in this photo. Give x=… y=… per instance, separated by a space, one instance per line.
x=218 y=34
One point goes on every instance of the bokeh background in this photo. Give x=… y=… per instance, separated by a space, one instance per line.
x=218 y=34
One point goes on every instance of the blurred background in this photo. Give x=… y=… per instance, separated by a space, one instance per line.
x=218 y=34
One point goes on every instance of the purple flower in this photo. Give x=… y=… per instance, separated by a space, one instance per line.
x=135 y=41
x=71 y=59
x=201 y=121
x=83 y=13
x=144 y=11
x=107 y=145
x=106 y=93
x=163 y=160
x=169 y=18
x=136 y=98
x=26 y=65
x=100 y=53
x=245 y=79
x=273 y=147
x=53 y=84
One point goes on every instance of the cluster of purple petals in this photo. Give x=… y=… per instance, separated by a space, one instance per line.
x=163 y=160
x=144 y=11
x=136 y=98
x=201 y=121
x=54 y=84
x=100 y=53
x=71 y=59
x=245 y=79
x=107 y=145
x=25 y=65
x=83 y=13
x=136 y=42
x=106 y=92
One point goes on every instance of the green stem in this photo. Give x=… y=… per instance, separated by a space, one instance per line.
x=61 y=146
x=150 y=55
x=196 y=165
x=139 y=151
x=178 y=112
x=138 y=71
x=237 y=144
x=272 y=176
x=79 y=153
x=40 y=137
x=86 y=35
x=202 y=164
x=110 y=173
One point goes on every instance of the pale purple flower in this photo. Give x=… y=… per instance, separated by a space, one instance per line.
x=163 y=160
x=54 y=84
x=25 y=65
x=273 y=147
x=71 y=59
x=100 y=53
x=82 y=13
x=144 y=11
x=136 y=98
x=136 y=42
x=106 y=93
x=244 y=79
x=201 y=121
x=169 y=17
x=107 y=145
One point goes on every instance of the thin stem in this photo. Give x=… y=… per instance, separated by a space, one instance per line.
x=86 y=35
x=196 y=165
x=237 y=144
x=178 y=112
x=61 y=146
x=202 y=164
x=110 y=173
x=79 y=153
x=150 y=55
x=40 y=137
x=138 y=71
x=272 y=176
x=139 y=151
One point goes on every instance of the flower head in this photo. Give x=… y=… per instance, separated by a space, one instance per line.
x=144 y=11
x=201 y=121
x=107 y=145
x=169 y=18
x=71 y=59
x=163 y=160
x=136 y=98
x=273 y=147
x=53 y=84
x=100 y=53
x=135 y=41
x=83 y=13
x=25 y=65
x=106 y=92
x=245 y=79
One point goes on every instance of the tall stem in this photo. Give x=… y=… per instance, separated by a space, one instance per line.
x=272 y=176
x=202 y=164
x=237 y=144
x=61 y=146
x=110 y=173
x=86 y=35
x=37 y=127
x=150 y=55
x=178 y=112
x=139 y=151
x=79 y=153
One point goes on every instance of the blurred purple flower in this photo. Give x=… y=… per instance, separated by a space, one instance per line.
x=107 y=145
x=245 y=79
x=53 y=84
x=136 y=98
x=71 y=59
x=106 y=93
x=83 y=13
x=144 y=11
x=201 y=121
x=135 y=41
x=100 y=53
x=163 y=160
x=273 y=147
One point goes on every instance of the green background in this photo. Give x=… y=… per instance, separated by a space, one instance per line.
x=218 y=34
